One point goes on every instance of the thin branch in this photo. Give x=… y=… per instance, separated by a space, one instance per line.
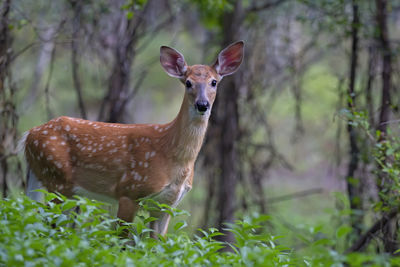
x=391 y=121
x=46 y=89
x=266 y=5
x=364 y=240
x=295 y=195
x=22 y=50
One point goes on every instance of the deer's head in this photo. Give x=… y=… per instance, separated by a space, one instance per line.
x=201 y=81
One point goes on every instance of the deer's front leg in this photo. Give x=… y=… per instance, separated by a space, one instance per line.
x=127 y=209
x=160 y=226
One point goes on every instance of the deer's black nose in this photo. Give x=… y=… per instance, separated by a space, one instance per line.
x=202 y=105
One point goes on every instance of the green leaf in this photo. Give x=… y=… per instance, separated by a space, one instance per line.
x=129 y=15
x=180 y=225
x=343 y=231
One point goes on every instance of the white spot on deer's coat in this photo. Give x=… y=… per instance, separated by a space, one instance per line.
x=67 y=128
x=147 y=155
x=50 y=157
x=140 y=163
x=43 y=145
x=36 y=142
x=45 y=132
x=137 y=177
x=63 y=143
x=53 y=137
x=152 y=154
x=58 y=164
x=124 y=177
x=94 y=150
x=133 y=164
x=146 y=165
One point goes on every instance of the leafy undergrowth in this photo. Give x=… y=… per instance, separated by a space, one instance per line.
x=35 y=234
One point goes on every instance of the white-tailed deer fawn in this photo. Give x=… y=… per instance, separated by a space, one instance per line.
x=126 y=162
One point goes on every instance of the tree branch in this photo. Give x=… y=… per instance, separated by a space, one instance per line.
x=295 y=195
x=364 y=240
x=267 y=5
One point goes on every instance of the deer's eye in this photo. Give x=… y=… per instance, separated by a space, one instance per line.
x=188 y=84
x=213 y=83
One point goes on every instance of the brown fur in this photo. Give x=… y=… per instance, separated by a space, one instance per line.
x=126 y=161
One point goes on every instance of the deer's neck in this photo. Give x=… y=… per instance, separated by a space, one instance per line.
x=184 y=137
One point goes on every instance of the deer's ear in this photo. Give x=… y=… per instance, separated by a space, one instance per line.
x=229 y=59
x=173 y=62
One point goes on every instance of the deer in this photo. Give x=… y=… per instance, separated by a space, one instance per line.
x=123 y=163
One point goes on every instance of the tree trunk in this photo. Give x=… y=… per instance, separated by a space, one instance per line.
x=7 y=107
x=381 y=17
x=114 y=103
x=228 y=118
x=354 y=183
x=390 y=229
x=77 y=7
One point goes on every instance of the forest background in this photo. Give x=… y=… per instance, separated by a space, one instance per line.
x=306 y=131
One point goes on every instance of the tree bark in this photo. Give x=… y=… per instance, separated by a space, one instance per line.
x=390 y=228
x=228 y=118
x=77 y=7
x=354 y=183
x=114 y=103
x=370 y=81
x=383 y=39
x=7 y=107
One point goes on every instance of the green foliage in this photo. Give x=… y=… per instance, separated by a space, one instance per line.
x=131 y=6
x=53 y=234
x=211 y=11
x=385 y=153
